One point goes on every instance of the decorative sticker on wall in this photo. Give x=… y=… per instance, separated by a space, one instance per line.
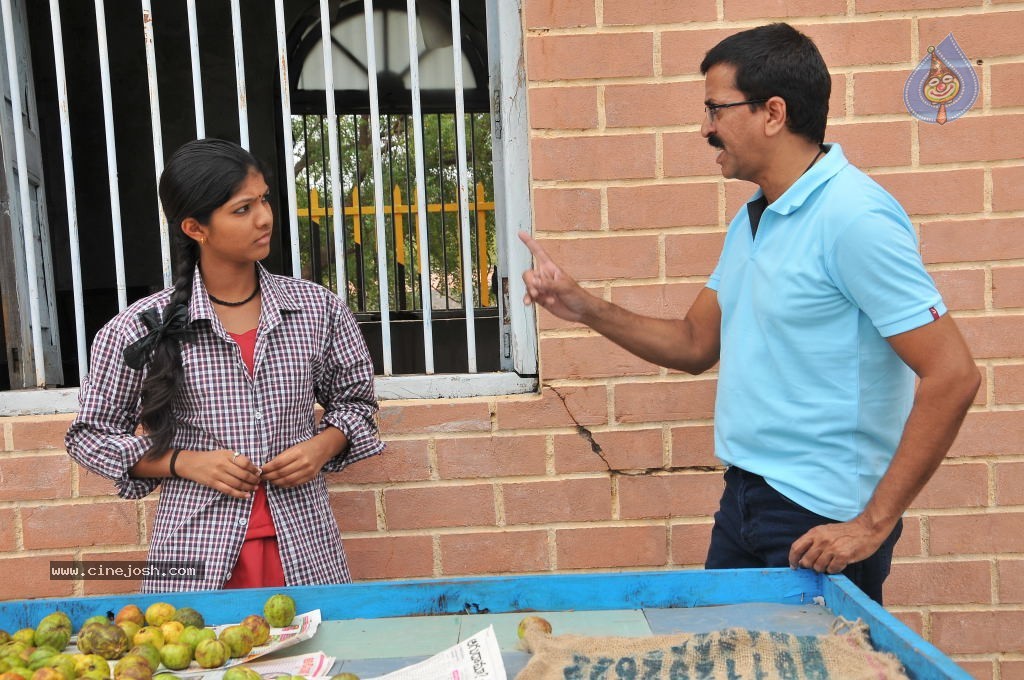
x=944 y=86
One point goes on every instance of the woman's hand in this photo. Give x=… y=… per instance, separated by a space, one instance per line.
x=301 y=463
x=223 y=470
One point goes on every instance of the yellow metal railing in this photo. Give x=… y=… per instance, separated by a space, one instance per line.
x=398 y=210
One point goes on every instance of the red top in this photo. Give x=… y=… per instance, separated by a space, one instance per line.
x=259 y=563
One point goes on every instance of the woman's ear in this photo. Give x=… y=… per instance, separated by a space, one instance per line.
x=194 y=230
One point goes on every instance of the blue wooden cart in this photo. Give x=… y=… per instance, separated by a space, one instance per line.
x=376 y=627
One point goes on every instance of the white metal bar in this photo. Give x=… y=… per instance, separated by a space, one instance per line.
x=332 y=129
x=378 y=188
x=421 y=190
x=25 y=194
x=112 y=181
x=286 y=133
x=197 y=74
x=69 y=188
x=158 y=144
x=243 y=106
x=460 y=147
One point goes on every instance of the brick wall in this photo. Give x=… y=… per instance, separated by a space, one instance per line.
x=627 y=197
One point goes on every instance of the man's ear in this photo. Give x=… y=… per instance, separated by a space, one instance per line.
x=775 y=121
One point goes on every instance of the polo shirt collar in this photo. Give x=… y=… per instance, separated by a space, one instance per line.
x=820 y=173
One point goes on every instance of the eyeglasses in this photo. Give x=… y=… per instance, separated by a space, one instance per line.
x=711 y=109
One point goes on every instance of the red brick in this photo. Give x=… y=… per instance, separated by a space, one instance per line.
x=554 y=407
x=737 y=195
x=91 y=484
x=972 y=240
x=956 y=485
x=683 y=51
x=692 y=254
x=654 y=104
x=978 y=632
x=1008 y=384
x=604 y=55
x=661 y=401
x=494 y=456
x=992 y=34
x=559 y=13
x=862 y=42
x=611 y=547
x=494 y=553
x=663 y=206
x=115 y=586
x=1007 y=85
x=837 y=98
x=980 y=670
x=685 y=494
x=630 y=13
x=1009 y=483
x=738 y=10
x=1009 y=669
x=997 y=433
x=693 y=446
x=986 y=138
x=1008 y=286
x=439 y=506
x=910 y=543
x=994 y=337
x=354 y=510
x=566 y=209
x=620 y=450
x=589 y=357
x=34 y=477
x=912 y=619
x=390 y=557
x=32 y=433
x=977 y=534
x=606 y=257
x=937 y=583
x=873 y=145
x=8 y=529
x=563 y=108
x=688 y=154
x=1011 y=580
x=403 y=417
x=597 y=157
x=936 y=193
x=115 y=523
x=961 y=288
x=404 y=460
x=33 y=578
x=1006 y=188
x=877 y=92
x=661 y=300
x=566 y=500
x=690 y=544
x=869 y=6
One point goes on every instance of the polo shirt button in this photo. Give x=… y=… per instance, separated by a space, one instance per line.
x=242 y=521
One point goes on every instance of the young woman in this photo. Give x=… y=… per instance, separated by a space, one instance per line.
x=222 y=372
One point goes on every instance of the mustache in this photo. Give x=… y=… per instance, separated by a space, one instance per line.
x=714 y=141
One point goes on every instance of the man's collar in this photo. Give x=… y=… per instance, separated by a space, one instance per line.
x=819 y=173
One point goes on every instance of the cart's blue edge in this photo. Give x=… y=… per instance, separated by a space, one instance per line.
x=548 y=592
x=922 y=660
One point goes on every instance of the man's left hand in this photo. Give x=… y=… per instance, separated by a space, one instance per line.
x=830 y=548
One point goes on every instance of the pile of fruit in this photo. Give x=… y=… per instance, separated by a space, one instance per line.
x=146 y=645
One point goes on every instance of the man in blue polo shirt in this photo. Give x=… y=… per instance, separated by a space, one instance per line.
x=820 y=313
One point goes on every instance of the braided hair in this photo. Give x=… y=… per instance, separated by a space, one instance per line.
x=199 y=178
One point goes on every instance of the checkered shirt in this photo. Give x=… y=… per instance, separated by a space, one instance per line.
x=308 y=349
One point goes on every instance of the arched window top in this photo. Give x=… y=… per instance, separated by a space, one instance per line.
x=349 y=54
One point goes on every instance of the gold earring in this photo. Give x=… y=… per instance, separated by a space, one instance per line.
x=202 y=240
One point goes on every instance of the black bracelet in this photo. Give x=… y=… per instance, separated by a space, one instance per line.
x=174 y=457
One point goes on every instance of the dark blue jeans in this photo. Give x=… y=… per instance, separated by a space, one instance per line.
x=756 y=525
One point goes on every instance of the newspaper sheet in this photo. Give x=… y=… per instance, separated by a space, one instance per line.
x=475 y=658
x=303 y=627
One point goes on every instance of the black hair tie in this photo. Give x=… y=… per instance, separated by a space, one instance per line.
x=136 y=355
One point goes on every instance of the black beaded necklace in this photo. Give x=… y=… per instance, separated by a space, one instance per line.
x=234 y=304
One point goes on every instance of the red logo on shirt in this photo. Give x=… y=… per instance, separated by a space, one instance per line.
x=935 y=313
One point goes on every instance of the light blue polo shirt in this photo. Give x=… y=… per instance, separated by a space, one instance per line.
x=810 y=394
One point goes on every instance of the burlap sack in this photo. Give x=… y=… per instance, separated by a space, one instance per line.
x=730 y=654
